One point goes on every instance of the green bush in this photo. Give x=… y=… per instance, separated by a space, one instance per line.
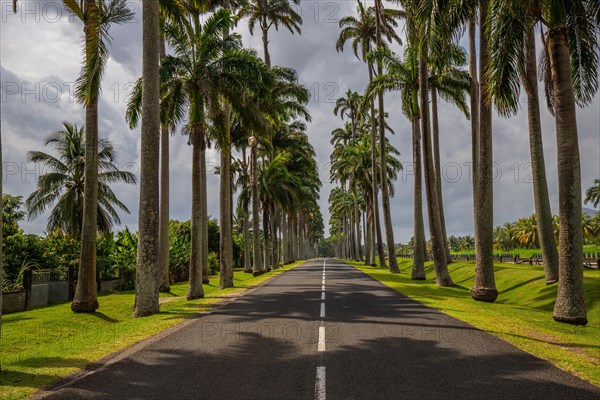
x=213 y=263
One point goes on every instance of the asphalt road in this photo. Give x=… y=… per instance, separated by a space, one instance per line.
x=347 y=338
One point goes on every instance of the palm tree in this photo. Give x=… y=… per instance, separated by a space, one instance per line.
x=592 y=195
x=385 y=28
x=348 y=107
x=97 y=17
x=451 y=82
x=285 y=100
x=362 y=31
x=404 y=76
x=239 y=133
x=62 y=186
x=527 y=232
x=423 y=19
x=506 y=102
x=205 y=70
x=474 y=102
x=269 y=13
x=164 y=286
x=148 y=252
x=570 y=60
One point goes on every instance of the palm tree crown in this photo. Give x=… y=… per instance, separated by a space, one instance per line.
x=62 y=186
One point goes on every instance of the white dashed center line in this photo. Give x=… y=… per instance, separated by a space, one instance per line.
x=320 y=384
x=321 y=345
x=320 y=388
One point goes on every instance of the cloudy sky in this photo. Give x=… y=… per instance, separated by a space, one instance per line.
x=41 y=52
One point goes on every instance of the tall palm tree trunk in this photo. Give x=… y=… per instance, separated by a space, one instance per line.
x=373 y=241
x=356 y=228
x=147 y=271
x=225 y=199
x=247 y=257
x=484 y=288
x=225 y=211
x=284 y=238
x=376 y=222
x=274 y=237
x=435 y=230
x=267 y=237
x=86 y=295
x=435 y=130
x=195 y=289
x=164 y=285
x=204 y=215
x=541 y=199
x=246 y=222
x=418 y=267
x=385 y=196
x=367 y=230
x=570 y=305
x=474 y=96
x=265 y=40
x=257 y=267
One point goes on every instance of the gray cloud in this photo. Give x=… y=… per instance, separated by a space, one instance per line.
x=45 y=50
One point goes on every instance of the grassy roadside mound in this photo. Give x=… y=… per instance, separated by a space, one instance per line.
x=522 y=314
x=43 y=345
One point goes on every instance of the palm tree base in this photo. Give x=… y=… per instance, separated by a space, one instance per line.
x=444 y=282
x=258 y=273
x=418 y=276
x=247 y=271
x=269 y=269
x=85 y=306
x=195 y=296
x=205 y=281
x=551 y=281
x=488 y=295
x=144 y=313
x=570 y=320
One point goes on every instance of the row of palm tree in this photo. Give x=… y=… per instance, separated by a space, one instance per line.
x=525 y=232
x=221 y=94
x=224 y=94
x=503 y=62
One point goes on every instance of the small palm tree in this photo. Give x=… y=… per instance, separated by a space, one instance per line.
x=269 y=13
x=592 y=195
x=62 y=187
x=347 y=106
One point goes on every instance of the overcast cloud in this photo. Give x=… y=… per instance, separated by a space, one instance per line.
x=41 y=55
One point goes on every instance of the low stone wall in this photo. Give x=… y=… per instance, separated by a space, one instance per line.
x=111 y=286
x=58 y=292
x=39 y=295
x=13 y=302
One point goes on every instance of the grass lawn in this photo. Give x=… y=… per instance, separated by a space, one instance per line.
x=45 y=344
x=526 y=253
x=522 y=314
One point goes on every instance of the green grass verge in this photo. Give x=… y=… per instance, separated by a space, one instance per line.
x=526 y=253
x=45 y=344
x=522 y=315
